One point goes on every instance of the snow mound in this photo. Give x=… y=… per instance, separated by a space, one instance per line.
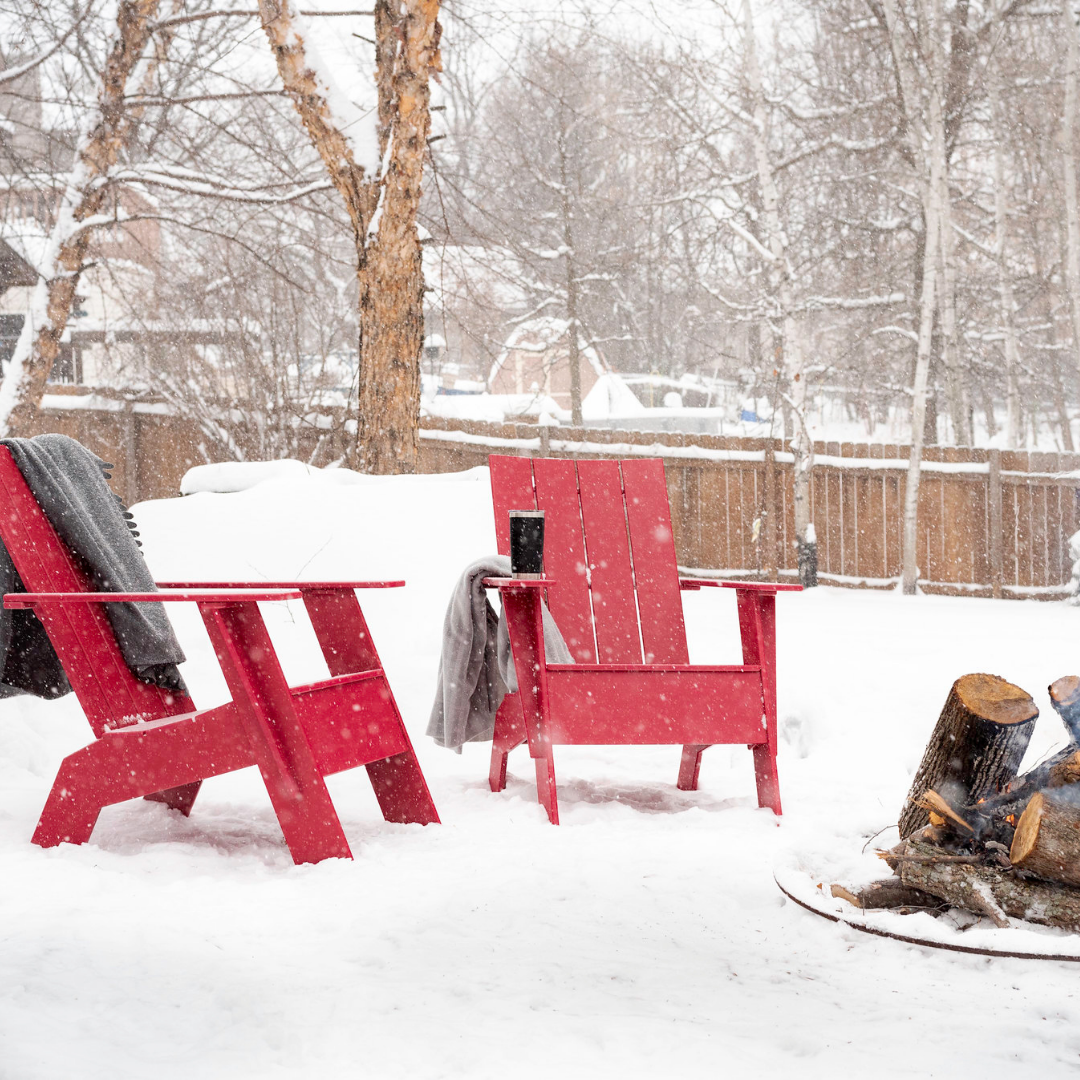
x=610 y=396
x=229 y=476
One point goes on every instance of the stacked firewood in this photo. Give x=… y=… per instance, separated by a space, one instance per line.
x=976 y=835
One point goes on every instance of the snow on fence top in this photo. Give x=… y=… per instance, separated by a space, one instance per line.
x=604 y=442
x=991 y=522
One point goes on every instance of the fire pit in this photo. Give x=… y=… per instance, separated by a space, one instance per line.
x=980 y=843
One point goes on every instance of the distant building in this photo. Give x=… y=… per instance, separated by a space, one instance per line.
x=536 y=360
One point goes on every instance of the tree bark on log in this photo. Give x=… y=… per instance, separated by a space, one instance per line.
x=1065 y=697
x=890 y=893
x=1047 y=840
x=1060 y=770
x=986 y=889
x=976 y=746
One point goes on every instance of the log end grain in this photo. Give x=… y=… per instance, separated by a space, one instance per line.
x=975 y=748
x=1027 y=830
x=1047 y=840
x=1066 y=690
x=992 y=698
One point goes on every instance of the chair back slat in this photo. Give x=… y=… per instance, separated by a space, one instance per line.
x=81 y=634
x=603 y=514
x=564 y=555
x=613 y=517
x=511 y=489
x=656 y=572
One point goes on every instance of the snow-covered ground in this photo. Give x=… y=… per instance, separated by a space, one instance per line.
x=642 y=938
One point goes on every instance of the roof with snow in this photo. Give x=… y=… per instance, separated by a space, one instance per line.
x=23 y=246
x=541 y=335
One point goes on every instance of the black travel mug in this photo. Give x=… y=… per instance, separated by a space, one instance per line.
x=527 y=543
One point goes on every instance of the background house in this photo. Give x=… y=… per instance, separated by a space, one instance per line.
x=536 y=360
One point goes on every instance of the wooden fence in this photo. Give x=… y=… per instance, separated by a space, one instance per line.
x=991 y=523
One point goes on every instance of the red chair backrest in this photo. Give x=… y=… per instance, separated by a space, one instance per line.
x=81 y=634
x=609 y=544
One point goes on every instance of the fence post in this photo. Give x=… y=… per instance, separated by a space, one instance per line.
x=770 y=560
x=997 y=540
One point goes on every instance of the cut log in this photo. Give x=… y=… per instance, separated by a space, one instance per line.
x=1047 y=840
x=1059 y=770
x=888 y=893
x=989 y=889
x=1065 y=697
x=976 y=746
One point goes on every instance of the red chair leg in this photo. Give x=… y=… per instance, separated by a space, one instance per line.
x=545 y=786
x=264 y=705
x=690 y=766
x=402 y=790
x=509 y=732
x=179 y=798
x=74 y=803
x=497 y=770
x=768 y=782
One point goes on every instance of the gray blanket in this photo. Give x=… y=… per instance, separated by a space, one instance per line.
x=69 y=483
x=476 y=669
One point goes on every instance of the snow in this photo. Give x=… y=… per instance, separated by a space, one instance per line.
x=609 y=397
x=644 y=937
x=230 y=476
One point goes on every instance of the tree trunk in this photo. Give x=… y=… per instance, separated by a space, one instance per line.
x=919 y=135
x=989 y=890
x=391 y=278
x=84 y=198
x=1068 y=157
x=780 y=273
x=573 y=352
x=954 y=381
x=382 y=210
x=976 y=746
x=1005 y=290
x=1047 y=840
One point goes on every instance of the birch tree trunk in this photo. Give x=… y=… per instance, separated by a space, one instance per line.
x=573 y=349
x=921 y=134
x=781 y=280
x=1012 y=353
x=382 y=210
x=108 y=132
x=934 y=39
x=1068 y=146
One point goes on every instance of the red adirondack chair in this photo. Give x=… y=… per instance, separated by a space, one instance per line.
x=613 y=586
x=154 y=743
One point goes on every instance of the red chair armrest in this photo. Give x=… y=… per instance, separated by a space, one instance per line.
x=693 y=584
x=518 y=583
x=322 y=585
x=29 y=600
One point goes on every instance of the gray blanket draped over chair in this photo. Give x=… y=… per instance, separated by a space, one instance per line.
x=476 y=669
x=69 y=483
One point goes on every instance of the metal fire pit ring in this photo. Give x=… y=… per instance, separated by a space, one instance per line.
x=928 y=943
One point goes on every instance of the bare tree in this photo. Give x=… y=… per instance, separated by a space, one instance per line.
x=382 y=204
x=108 y=131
